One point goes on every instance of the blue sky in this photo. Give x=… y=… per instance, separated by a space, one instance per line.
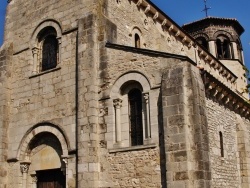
x=186 y=11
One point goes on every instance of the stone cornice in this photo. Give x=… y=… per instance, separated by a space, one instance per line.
x=222 y=94
x=216 y=21
x=214 y=66
x=148 y=52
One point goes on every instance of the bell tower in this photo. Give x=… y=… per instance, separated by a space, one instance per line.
x=221 y=37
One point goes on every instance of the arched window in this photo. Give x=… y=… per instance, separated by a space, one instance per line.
x=48 y=49
x=223 y=47
x=130 y=112
x=202 y=41
x=137 y=41
x=135 y=116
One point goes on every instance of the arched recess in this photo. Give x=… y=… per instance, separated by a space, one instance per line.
x=45 y=43
x=130 y=111
x=38 y=129
x=202 y=39
x=221 y=32
x=42 y=151
x=137 y=37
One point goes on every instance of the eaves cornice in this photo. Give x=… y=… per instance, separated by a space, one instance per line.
x=209 y=62
x=222 y=94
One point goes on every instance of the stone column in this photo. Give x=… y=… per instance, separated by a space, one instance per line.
x=59 y=39
x=147 y=125
x=64 y=168
x=24 y=167
x=118 y=129
x=212 y=48
x=35 y=51
x=234 y=50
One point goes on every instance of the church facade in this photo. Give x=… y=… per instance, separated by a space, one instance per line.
x=113 y=93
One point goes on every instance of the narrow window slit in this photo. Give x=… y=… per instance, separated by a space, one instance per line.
x=137 y=41
x=221 y=144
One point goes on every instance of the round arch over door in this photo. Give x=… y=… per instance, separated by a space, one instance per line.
x=43 y=153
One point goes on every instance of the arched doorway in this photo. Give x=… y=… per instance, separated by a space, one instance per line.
x=44 y=155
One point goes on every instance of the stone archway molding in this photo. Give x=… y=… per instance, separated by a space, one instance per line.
x=41 y=128
x=46 y=23
x=129 y=76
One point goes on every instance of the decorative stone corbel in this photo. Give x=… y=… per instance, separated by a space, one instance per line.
x=190 y=44
x=139 y=2
x=229 y=76
x=214 y=92
x=212 y=62
x=164 y=22
x=236 y=106
x=233 y=79
x=156 y=16
x=147 y=9
x=224 y=72
x=220 y=96
x=171 y=27
x=177 y=33
x=184 y=39
x=247 y=113
x=243 y=109
x=221 y=69
x=226 y=100
x=201 y=53
x=216 y=65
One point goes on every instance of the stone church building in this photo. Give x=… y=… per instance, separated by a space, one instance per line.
x=113 y=93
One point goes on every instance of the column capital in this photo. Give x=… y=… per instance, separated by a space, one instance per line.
x=146 y=96
x=34 y=178
x=24 y=167
x=65 y=159
x=35 y=50
x=117 y=103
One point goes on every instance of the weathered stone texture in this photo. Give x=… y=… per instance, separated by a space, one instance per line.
x=224 y=170
x=185 y=127
x=75 y=101
x=5 y=74
x=131 y=169
x=123 y=14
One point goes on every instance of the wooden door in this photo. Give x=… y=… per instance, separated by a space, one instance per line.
x=50 y=179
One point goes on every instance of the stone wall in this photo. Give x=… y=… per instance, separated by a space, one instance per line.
x=75 y=92
x=131 y=169
x=225 y=170
x=185 y=127
x=5 y=74
x=127 y=16
x=23 y=17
